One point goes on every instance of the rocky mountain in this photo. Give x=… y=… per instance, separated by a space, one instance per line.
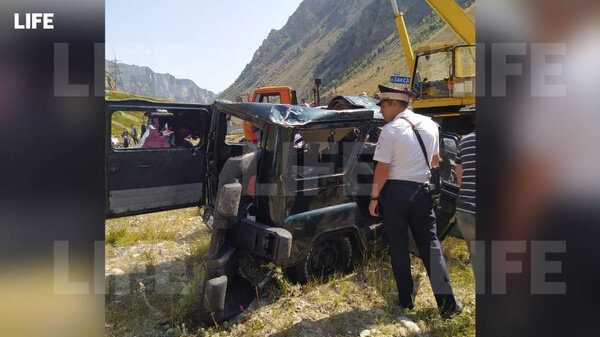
x=143 y=81
x=352 y=45
x=109 y=82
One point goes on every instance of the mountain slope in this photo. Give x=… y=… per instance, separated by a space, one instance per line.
x=143 y=81
x=339 y=41
x=388 y=59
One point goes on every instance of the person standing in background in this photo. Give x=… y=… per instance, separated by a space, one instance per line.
x=466 y=176
x=125 y=141
x=134 y=134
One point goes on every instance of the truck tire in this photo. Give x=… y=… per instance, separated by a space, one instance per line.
x=327 y=255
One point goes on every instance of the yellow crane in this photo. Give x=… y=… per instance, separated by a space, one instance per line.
x=443 y=75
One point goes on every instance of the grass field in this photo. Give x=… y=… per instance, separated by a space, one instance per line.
x=126 y=95
x=154 y=268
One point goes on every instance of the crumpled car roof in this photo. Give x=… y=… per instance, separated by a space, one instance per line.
x=295 y=115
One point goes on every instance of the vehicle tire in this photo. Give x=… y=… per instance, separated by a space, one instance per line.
x=327 y=255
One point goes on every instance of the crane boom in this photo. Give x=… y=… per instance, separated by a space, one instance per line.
x=456 y=18
x=403 y=33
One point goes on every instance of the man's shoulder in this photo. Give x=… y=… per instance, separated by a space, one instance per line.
x=469 y=138
x=391 y=127
x=422 y=118
x=468 y=142
x=425 y=123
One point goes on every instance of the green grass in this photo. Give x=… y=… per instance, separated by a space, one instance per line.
x=126 y=95
x=149 y=228
x=365 y=298
x=178 y=237
x=124 y=235
x=122 y=120
x=347 y=303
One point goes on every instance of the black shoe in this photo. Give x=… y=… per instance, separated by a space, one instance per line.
x=452 y=312
x=409 y=306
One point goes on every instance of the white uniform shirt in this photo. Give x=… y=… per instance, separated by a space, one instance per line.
x=398 y=146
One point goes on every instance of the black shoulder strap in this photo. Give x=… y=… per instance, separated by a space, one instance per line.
x=420 y=141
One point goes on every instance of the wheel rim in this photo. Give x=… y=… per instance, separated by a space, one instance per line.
x=325 y=259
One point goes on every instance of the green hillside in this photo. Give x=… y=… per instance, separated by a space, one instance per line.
x=122 y=120
x=125 y=95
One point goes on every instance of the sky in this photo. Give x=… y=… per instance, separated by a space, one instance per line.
x=207 y=41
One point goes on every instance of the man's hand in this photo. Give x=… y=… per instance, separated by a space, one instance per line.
x=459 y=173
x=435 y=160
x=373 y=208
x=379 y=179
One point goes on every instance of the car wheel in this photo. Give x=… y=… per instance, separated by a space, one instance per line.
x=327 y=255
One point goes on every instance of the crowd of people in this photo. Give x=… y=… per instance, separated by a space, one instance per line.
x=180 y=130
x=134 y=136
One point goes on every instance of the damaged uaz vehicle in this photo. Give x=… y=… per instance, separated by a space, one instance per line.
x=296 y=195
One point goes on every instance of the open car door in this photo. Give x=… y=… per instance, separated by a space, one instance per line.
x=155 y=156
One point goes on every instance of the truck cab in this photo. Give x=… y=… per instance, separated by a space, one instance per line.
x=275 y=95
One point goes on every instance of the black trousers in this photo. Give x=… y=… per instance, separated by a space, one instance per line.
x=407 y=204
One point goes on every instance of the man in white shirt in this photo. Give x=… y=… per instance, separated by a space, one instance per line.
x=406 y=200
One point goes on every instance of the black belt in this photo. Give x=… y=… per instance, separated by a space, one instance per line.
x=414 y=184
x=407 y=182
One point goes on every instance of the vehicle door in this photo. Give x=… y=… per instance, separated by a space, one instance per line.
x=155 y=156
x=445 y=212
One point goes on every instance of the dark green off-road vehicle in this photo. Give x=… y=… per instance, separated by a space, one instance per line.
x=297 y=197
